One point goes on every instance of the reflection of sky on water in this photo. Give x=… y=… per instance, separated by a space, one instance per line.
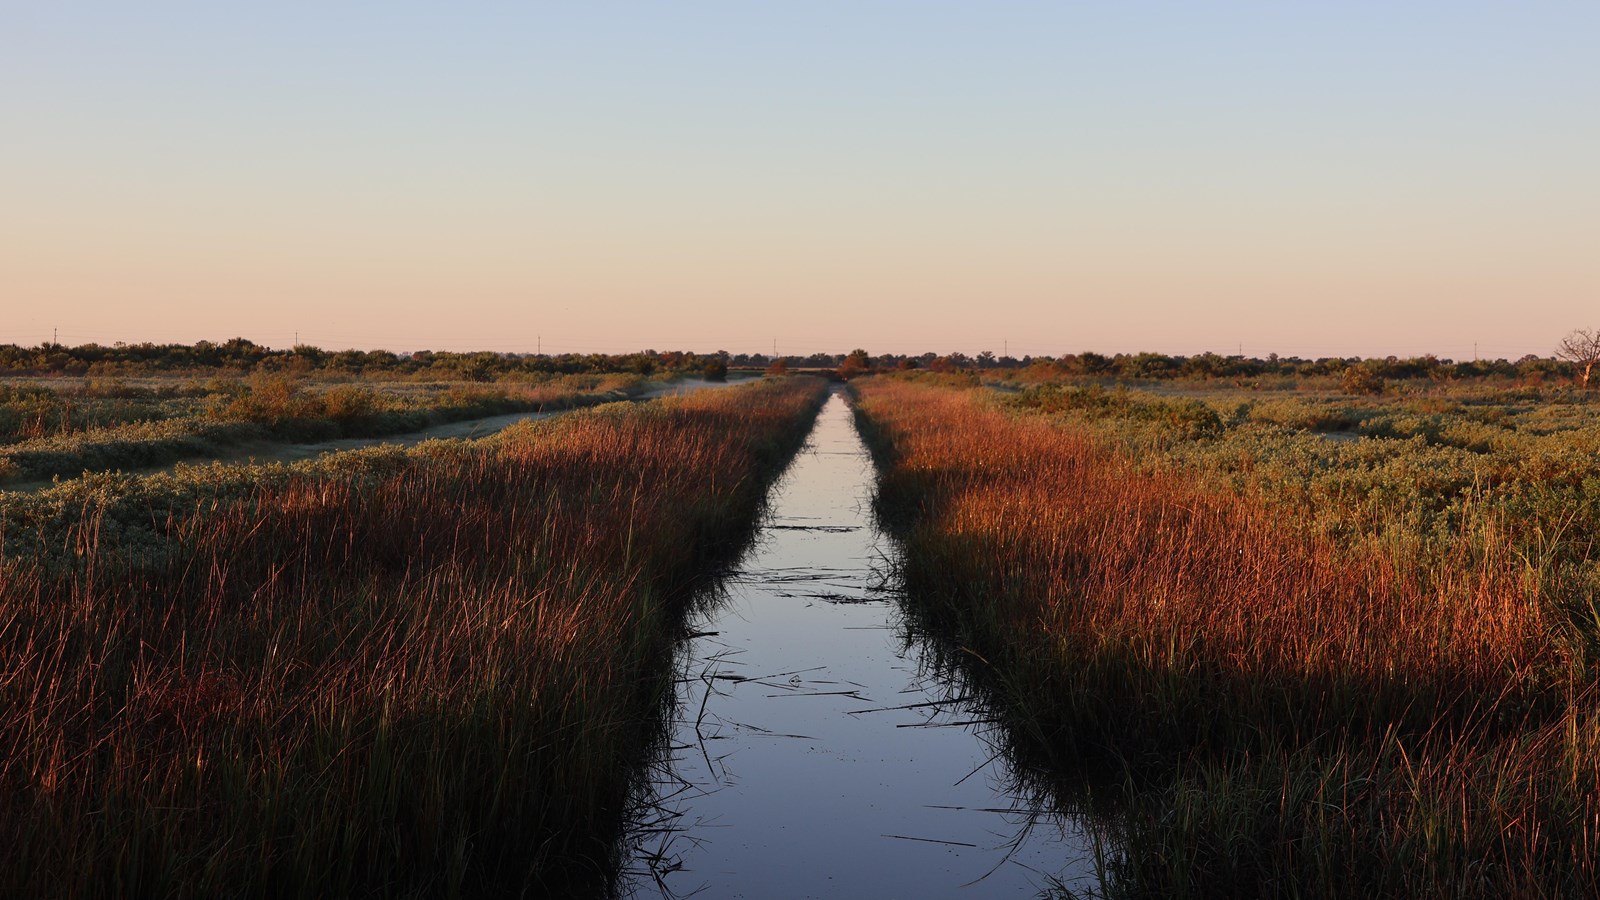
x=816 y=759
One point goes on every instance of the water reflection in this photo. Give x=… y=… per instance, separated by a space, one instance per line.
x=818 y=753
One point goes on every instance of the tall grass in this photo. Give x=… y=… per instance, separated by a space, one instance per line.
x=419 y=673
x=1256 y=709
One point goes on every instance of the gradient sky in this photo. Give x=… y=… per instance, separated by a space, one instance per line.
x=1345 y=178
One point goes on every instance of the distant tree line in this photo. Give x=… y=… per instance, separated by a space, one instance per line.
x=1209 y=366
x=240 y=356
x=243 y=356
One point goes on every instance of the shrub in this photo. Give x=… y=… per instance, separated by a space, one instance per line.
x=1360 y=380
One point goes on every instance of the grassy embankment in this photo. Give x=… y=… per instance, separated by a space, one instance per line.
x=64 y=429
x=425 y=672
x=1262 y=696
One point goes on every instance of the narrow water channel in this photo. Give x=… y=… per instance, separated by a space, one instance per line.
x=815 y=753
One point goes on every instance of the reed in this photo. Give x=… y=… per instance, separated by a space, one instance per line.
x=1249 y=707
x=396 y=673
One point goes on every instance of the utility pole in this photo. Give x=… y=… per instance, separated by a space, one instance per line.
x=55 y=335
x=538 y=345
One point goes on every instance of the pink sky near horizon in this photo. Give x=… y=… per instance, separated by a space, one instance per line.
x=1330 y=180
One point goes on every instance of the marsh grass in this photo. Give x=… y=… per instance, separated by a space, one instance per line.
x=1255 y=708
x=99 y=426
x=1435 y=481
x=398 y=673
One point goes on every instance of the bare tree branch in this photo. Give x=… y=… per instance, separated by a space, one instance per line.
x=1581 y=347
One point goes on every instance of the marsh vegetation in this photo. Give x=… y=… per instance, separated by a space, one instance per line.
x=62 y=427
x=1268 y=662
x=1226 y=627
x=398 y=672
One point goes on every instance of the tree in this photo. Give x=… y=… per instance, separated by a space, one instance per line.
x=1581 y=348
x=857 y=363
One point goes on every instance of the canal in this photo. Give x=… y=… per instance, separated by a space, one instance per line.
x=816 y=751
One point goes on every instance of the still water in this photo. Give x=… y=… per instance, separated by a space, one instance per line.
x=814 y=752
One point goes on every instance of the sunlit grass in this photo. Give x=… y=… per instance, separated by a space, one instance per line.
x=1257 y=708
x=402 y=673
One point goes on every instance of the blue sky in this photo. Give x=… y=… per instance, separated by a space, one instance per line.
x=1351 y=178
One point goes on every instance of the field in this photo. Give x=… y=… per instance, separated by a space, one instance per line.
x=1274 y=642
x=60 y=426
x=1295 y=629
x=399 y=672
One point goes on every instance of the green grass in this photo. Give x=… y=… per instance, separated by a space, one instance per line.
x=1434 y=478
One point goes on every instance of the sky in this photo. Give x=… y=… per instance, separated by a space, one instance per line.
x=1315 y=178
